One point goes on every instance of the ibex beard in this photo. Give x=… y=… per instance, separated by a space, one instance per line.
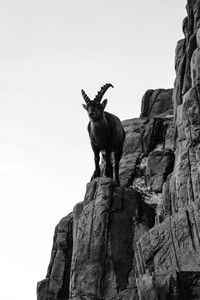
x=106 y=135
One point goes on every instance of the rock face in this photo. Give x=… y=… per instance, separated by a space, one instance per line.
x=160 y=163
x=56 y=284
x=157 y=102
x=103 y=263
x=169 y=252
x=141 y=240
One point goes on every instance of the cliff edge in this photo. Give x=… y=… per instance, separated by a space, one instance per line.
x=141 y=240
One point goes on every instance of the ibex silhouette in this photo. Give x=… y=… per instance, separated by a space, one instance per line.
x=106 y=134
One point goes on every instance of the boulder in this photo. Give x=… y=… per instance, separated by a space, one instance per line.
x=157 y=102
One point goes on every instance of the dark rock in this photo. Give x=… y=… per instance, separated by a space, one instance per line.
x=146 y=103
x=146 y=287
x=118 y=251
x=195 y=67
x=168 y=248
x=106 y=227
x=167 y=134
x=180 y=65
x=160 y=164
x=186 y=173
x=187 y=81
x=179 y=53
x=142 y=135
x=196 y=11
x=56 y=284
x=156 y=102
x=167 y=205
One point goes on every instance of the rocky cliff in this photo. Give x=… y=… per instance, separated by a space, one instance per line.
x=141 y=240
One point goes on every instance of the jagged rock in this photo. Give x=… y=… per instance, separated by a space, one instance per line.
x=167 y=133
x=195 y=67
x=198 y=37
x=196 y=12
x=146 y=288
x=106 y=227
x=169 y=252
x=141 y=137
x=156 y=102
x=186 y=172
x=179 y=53
x=180 y=62
x=172 y=258
x=189 y=8
x=187 y=82
x=167 y=199
x=56 y=284
x=160 y=164
x=118 y=251
x=169 y=248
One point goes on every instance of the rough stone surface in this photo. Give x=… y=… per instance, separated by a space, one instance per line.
x=146 y=287
x=160 y=164
x=141 y=241
x=106 y=227
x=103 y=263
x=56 y=284
x=195 y=67
x=171 y=249
x=156 y=102
x=141 y=137
x=169 y=252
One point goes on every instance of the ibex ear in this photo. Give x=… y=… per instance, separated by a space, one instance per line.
x=84 y=106
x=104 y=103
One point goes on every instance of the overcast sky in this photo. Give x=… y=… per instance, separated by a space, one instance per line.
x=49 y=51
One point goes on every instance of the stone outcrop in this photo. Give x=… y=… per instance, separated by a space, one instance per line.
x=157 y=102
x=102 y=264
x=160 y=164
x=103 y=260
x=169 y=252
x=56 y=284
x=141 y=240
x=169 y=255
x=97 y=256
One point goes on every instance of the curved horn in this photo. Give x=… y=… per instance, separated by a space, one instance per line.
x=85 y=97
x=102 y=91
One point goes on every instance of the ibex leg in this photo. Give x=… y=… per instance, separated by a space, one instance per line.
x=116 y=159
x=108 y=165
x=96 y=161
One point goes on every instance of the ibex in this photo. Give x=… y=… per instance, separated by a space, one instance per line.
x=106 y=134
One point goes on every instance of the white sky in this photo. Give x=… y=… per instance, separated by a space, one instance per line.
x=49 y=51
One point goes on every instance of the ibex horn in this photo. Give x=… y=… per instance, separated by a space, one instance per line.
x=102 y=91
x=85 y=97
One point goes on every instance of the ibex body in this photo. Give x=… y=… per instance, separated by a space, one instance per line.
x=106 y=134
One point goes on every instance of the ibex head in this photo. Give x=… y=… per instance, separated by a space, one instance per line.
x=94 y=107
